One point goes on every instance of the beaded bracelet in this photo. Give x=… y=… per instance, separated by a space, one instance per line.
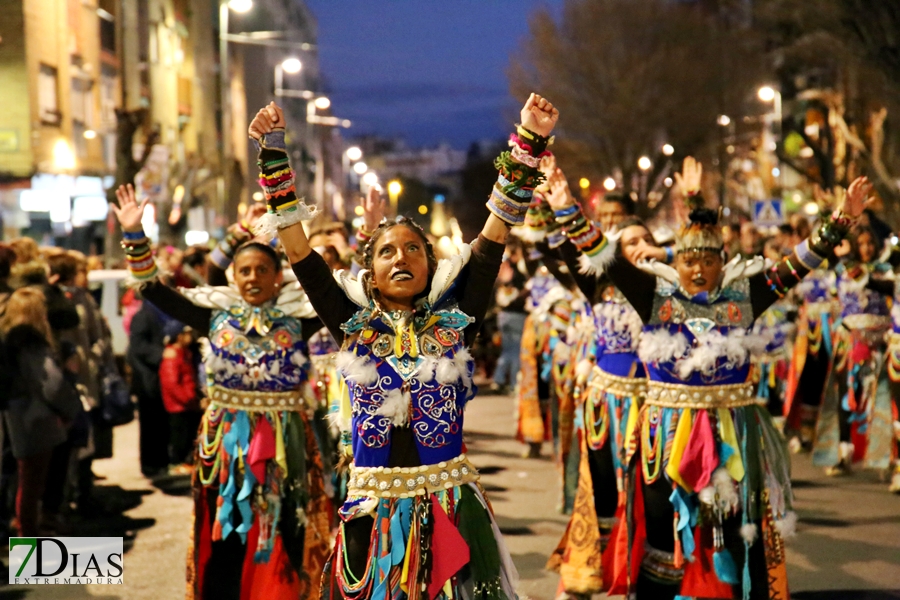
x=505 y=208
x=134 y=235
x=567 y=214
x=670 y=255
x=772 y=286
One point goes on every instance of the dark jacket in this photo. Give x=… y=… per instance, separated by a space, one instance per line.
x=145 y=349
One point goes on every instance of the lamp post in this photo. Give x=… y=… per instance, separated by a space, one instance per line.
x=769 y=94
x=226 y=152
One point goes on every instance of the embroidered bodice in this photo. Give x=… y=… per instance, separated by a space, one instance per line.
x=700 y=340
x=618 y=328
x=775 y=327
x=255 y=348
x=856 y=299
x=407 y=370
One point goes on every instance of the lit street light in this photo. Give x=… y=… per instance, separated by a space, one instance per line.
x=609 y=184
x=354 y=153
x=766 y=93
x=668 y=149
x=89 y=134
x=322 y=103
x=423 y=210
x=584 y=183
x=240 y=6
x=644 y=163
x=360 y=168
x=370 y=178
x=724 y=120
x=394 y=189
x=291 y=65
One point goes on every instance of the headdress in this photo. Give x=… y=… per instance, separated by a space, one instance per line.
x=702 y=232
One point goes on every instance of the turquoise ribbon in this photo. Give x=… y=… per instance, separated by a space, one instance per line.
x=236 y=441
x=686 y=507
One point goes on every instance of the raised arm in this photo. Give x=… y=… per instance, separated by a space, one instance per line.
x=223 y=254
x=143 y=267
x=772 y=284
x=599 y=251
x=285 y=215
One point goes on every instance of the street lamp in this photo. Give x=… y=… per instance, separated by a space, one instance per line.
x=609 y=184
x=322 y=103
x=644 y=163
x=360 y=168
x=766 y=93
x=668 y=149
x=354 y=153
x=724 y=120
x=584 y=183
x=370 y=178
x=240 y=6
x=291 y=65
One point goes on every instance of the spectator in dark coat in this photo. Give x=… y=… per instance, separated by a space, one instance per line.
x=145 y=350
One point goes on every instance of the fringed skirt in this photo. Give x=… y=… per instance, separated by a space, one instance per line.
x=721 y=460
x=609 y=416
x=857 y=400
x=261 y=516
x=441 y=543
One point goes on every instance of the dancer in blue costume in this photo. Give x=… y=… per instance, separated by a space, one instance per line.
x=415 y=524
x=707 y=457
x=261 y=516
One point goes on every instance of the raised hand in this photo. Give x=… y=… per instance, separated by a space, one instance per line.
x=559 y=196
x=267 y=120
x=373 y=209
x=690 y=177
x=548 y=165
x=857 y=198
x=129 y=212
x=538 y=115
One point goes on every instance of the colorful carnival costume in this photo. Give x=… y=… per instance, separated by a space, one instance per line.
x=770 y=367
x=707 y=457
x=415 y=523
x=854 y=422
x=892 y=364
x=261 y=518
x=609 y=406
x=811 y=355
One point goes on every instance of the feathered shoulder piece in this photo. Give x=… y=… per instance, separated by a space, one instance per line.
x=445 y=275
x=292 y=300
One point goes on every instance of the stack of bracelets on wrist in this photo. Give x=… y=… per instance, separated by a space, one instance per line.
x=363 y=235
x=830 y=233
x=277 y=180
x=139 y=255
x=519 y=176
x=223 y=253
x=586 y=236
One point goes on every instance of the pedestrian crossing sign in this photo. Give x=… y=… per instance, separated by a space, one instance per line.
x=768 y=213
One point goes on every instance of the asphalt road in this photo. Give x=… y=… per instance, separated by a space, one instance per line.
x=847 y=547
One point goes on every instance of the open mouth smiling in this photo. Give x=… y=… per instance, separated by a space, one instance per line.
x=401 y=275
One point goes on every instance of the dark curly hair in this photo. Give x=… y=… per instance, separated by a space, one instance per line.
x=383 y=227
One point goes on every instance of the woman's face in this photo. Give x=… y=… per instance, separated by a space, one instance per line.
x=634 y=239
x=699 y=271
x=399 y=267
x=256 y=277
x=866 y=246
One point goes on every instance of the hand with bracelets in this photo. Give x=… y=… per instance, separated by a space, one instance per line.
x=136 y=244
x=373 y=214
x=832 y=230
x=519 y=172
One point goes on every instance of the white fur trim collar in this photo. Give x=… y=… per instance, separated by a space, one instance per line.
x=292 y=300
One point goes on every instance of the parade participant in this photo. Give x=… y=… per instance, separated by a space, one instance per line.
x=811 y=356
x=770 y=367
x=892 y=366
x=610 y=404
x=851 y=398
x=414 y=525
x=708 y=484
x=261 y=519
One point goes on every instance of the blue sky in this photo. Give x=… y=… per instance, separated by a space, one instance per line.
x=426 y=71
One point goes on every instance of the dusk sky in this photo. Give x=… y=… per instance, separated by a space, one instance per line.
x=426 y=71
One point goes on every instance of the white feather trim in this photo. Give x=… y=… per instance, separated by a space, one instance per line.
x=658 y=345
x=584 y=368
x=359 y=369
x=529 y=234
x=268 y=225
x=787 y=526
x=707 y=495
x=427 y=368
x=597 y=264
x=661 y=270
x=446 y=372
x=749 y=532
x=464 y=360
x=352 y=286
x=738 y=268
x=447 y=271
x=726 y=491
x=395 y=407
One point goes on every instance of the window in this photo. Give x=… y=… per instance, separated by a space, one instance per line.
x=48 y=95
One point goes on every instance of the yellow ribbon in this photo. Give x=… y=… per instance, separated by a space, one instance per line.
x=682 y=435
x=734 y=465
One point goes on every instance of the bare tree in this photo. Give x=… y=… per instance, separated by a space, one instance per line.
x=629 y=76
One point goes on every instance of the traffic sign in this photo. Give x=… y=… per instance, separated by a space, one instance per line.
x=768 y=213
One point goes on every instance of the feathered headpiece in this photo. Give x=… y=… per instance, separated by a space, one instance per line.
x=702 y=232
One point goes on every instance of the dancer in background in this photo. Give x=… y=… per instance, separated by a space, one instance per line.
x=261 y=519
x=852 y=404
x=709 y=479
x=414 y=525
